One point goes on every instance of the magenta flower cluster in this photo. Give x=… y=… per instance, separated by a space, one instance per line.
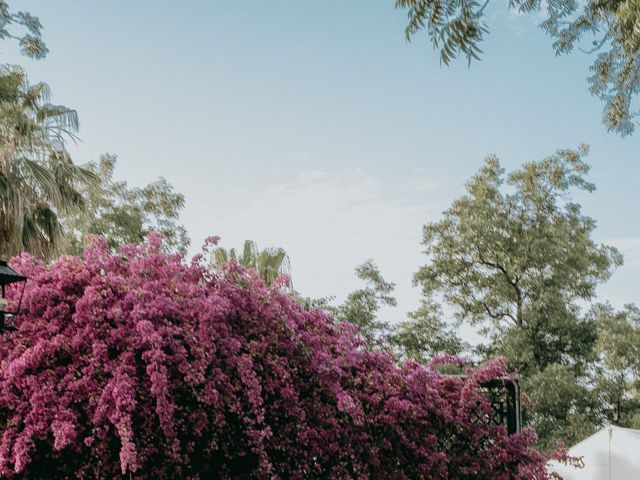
x=141 y=365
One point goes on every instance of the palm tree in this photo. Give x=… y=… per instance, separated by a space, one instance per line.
x=268 y=263
x=38 y=180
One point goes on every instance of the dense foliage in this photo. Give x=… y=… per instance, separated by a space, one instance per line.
x=514 y=256
x=139 y=365
x=124 y=214
x=425 y=334
x=616 y=370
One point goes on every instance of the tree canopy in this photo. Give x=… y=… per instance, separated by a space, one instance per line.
x=362 y=305
x=616 y=371
x=123 y=214
x=514 y=256
x=425 y=335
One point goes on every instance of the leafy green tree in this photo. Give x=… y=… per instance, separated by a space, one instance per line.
x=617 y=371
x=30 y=40
x=561 y=404
x=269 y=263
x=38 y=180
x=419 y=338
x=361 y=306
x=514 y=256
x=425 y=335
x=124 y=214
x=457 y=28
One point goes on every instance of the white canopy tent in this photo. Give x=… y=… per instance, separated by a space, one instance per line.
x=611 y=454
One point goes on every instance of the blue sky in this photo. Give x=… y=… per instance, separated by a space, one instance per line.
x=314 y=125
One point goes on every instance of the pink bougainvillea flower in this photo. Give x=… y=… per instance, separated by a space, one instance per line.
x=140 y=365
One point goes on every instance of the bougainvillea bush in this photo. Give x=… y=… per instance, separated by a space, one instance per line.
x=141 y=365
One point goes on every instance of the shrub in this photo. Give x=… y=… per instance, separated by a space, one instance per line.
x=141 y=365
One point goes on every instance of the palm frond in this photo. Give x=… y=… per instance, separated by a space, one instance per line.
x=249 y=254
x=4 y=186
x=40 y=181
x=58 y=116
x=42 y=177
x=70 y=199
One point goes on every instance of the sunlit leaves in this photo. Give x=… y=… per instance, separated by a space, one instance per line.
x=362 y=305
x=514 y=256
x=455 y=27
x=122 y=213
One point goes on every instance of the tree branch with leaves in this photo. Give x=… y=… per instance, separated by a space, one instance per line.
x=458 y=27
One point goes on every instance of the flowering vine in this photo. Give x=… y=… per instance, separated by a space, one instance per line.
x=141 y=365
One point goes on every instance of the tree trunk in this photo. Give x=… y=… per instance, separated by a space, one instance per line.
x=518 y=306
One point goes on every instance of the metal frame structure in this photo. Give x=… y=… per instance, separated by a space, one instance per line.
x=504 y=395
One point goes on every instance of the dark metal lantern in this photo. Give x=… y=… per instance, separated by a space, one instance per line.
x=504 y=395
x=8 y=276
